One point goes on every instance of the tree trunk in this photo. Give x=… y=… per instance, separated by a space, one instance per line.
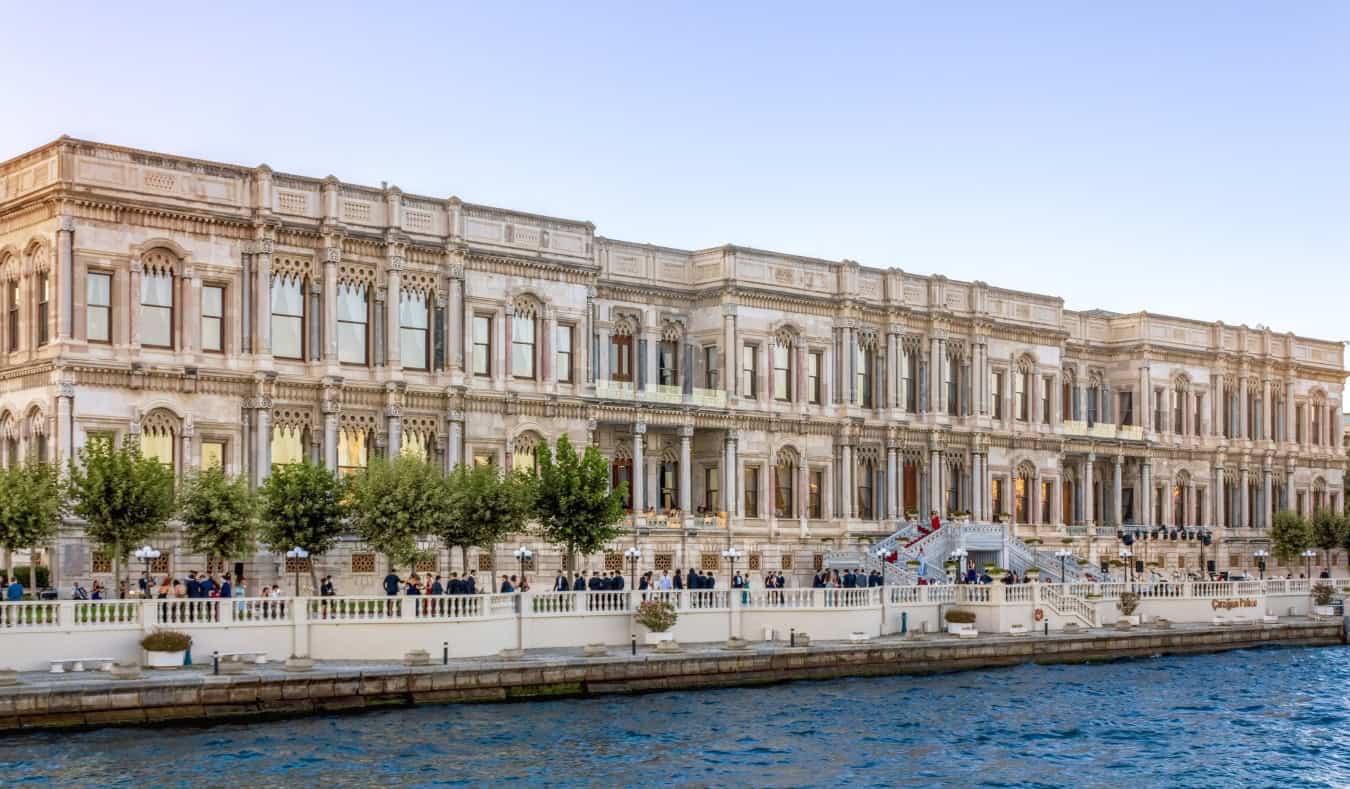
x=313 y=576
x=571 y=558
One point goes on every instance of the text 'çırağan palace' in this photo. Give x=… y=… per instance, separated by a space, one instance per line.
x=245 y=317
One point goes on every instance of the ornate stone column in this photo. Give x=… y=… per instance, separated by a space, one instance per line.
x=686 y=472
x=1089 y=507
x=892 y=342
x=1242 y=496
x=65 y=278
x=1218 y=493
x=262 y=299
x=891 y=503
x=1117 y=506
x=332 y=255
x=394 y=264
x=639 y=471
x=133 y=303
x=730 y=381
x=729 y=475
x=1242 y=417
x=935 y=497
x=846 y=493
x=1266 y=488
x=64 y=445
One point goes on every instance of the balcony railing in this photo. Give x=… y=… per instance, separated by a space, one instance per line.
x=667 y=395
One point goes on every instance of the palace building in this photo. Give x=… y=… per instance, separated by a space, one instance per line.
x=246 y=317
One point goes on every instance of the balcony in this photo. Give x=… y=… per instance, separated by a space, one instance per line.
x=663 y=395
x=1074 y=427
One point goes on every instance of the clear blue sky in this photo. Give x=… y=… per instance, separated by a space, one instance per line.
x=1185 y=158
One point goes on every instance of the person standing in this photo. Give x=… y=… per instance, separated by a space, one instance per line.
x=560 y=582
x=391 y=583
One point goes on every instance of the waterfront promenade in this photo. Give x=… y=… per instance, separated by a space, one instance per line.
x=43 y=700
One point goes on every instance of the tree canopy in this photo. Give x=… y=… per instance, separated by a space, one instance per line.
x=396 y=502
x=32 y=501
x=1290 y=535
x=124 y=498
x=1328 y=530
x=484 y=505
x=573 y=502
x=220 y=515
x=302 y=506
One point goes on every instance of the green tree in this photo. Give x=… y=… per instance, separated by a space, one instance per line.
x=124 y=498
x=396 y=502
x=1290 y=535
x=573 y=502
x=1327 y=533
x=31 y=505
x=220 y=515
x=483 y=506
x=303 y=505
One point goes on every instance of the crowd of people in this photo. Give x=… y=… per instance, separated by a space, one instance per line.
x=851 y=579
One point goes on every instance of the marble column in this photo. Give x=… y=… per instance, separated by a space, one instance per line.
x=1117 y=505
x=262 y=439
x=133 y=302
x=891 y=497
x=686 y=470
x=1219 y=496
x=1289 y=501
x=65 y=278
x=393 y=299
x=729 y=503
x=892 y=342
x=1242 y=497
x=262 y=300
x=846 y=493
x=639 y=470
x=730 y=380
x=936 y=500
x=1242 y=414
x=1088 y=494
x=1266 y=488
x=330 y=438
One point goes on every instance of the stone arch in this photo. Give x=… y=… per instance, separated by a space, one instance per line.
x=37 y=256
x=165 y=243
x=786 y=334
x=526 y=304
x=624 y=324
x=523 y=446
x=787 y=455
x=162 y=261
x=672 y=330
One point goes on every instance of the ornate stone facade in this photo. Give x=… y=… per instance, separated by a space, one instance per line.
x=245 y=316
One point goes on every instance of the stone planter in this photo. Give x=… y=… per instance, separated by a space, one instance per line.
x=1133 y=619
x=294 y=663
x=656 y=639
x=594 y=650
x=668 y=646
x=165 y=660
x=1017 y=629
x=962 y=630
x=417 y=657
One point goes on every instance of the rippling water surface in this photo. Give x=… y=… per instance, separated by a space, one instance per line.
x=1252 y=718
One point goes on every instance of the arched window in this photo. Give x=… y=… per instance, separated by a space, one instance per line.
x=784 y=484
x=414 y=318
x=353 y=450
x=9 y=441
x=353 y=317
x=415 y=444
x=288 y=445
x=1022 y=490
x=157 y=434
x=157 y=307
x=522 y=452
x=866 y=486
x=866 y=357
x=288 y=317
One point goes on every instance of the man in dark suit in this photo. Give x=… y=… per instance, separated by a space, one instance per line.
x=391 y=582
x=455 y=586
x=437 y=588
x=579 y=583
x=693 y=580
x=560 y=583
x=618 y=582
x=506 y=587
x=471 y=584
x=194 y=587
x=596 y=584
x=678 y=579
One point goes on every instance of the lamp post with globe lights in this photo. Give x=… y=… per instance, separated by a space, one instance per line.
x=299 y=554
x=146 y=554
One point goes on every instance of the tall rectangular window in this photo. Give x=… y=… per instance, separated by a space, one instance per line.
x=751 y=491
x=711 y=483
x=157 y=309
x=44 y=286
x=911 y=367
x=621 y=357
x=288 y=317
x=1047 y=386
x=749 y=370
x=817 y=486
x=1178 y=411
x=813 y=362
x=12 y=303
x=1023 y=381
x=667 y=363
x=1127 y=408
x=997 y=393
x=712 y=372
x=1199 y=413
x=213 y=454
x=353 y=320
x=1298 y=422
x=522 y=347
x=1159 y=413
x=563 y=354
x=782 y=372
x=864 y=381
x=482 y=345
x=98 y=307
x=213 y=317
x=414 y=324
x=951 y=376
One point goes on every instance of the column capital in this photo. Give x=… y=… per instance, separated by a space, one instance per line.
x=65 y=223
x=639 y=428
x=686 y=431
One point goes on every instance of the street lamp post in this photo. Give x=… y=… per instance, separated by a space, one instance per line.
x=1125 y=555
x=1063 y=554
x=1307 y=561
x=523 y=555
x=632 y=555
x=880 y=553
x=959 y=556
x=731 y=555
x=147 y=555
x=297 y=553
x=1261 y=554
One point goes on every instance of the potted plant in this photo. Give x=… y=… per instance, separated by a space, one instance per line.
x=1128 y=602
x=1322 y=594
x=912 y=563
x=960 y=623
x=165 y=648
x=996 y=573
x=1033 y=573
x=658 y=617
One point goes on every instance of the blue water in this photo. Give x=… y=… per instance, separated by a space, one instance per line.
x=1277 y=717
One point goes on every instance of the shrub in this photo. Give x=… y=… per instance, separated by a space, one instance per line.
x=1322 y=594
x=657 y=616
x=166 y=641
x=958 y=617
x=1128 y=602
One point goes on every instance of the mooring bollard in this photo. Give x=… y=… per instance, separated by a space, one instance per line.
x=635 y=643
x=904 y=622
x=215 y=662
x=445 y=653
x=792 y=636
x=1047 y=628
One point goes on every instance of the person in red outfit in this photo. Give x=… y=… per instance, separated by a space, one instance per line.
x=935 y=523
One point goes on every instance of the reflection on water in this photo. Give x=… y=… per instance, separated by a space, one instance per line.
x=1251 y=718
